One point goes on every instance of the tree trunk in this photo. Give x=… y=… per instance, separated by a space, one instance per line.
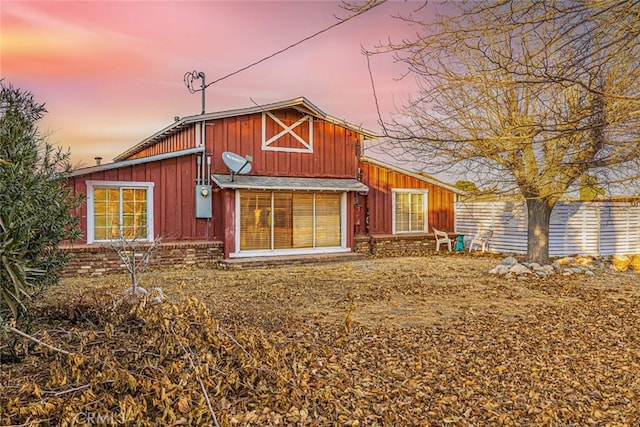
x=539 y=215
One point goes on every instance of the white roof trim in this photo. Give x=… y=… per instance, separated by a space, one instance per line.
x=300 y=103
x=125 y=163
x=424 y=178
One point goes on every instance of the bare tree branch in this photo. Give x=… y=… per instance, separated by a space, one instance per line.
x=528 y=96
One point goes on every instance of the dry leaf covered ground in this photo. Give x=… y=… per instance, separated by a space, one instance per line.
x=391 y=341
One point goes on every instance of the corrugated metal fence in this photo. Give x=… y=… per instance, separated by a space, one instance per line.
x=586 y=228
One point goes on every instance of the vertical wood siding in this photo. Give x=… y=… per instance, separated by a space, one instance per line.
x=334 y=147
x=181 y=140
x=381 y=182
x=173 y=197
x=333 y=156
x=586 y=228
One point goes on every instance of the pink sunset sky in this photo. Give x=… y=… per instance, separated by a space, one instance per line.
x=111 y=72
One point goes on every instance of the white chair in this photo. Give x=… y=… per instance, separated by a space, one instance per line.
x=442 y=237
x=481 y=239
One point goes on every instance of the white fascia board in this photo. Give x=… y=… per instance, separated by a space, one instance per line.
x=125 y=163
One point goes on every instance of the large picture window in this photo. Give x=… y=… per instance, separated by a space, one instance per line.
x=409 y=211
x=290 y=221
x=119 y=210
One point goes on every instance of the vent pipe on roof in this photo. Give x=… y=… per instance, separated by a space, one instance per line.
x=98 y=160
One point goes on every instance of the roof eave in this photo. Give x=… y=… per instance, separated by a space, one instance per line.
x=429 y=179
x=289 y=183
x=125 y=163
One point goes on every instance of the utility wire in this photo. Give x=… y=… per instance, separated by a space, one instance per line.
x=365 y=8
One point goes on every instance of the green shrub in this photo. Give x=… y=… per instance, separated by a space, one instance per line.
x=36 y=205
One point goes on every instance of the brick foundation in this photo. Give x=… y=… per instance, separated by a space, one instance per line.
x=94 y=260
x=395 y=244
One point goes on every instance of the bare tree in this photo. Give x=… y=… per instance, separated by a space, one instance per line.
x=135 y=256
x=526 y=96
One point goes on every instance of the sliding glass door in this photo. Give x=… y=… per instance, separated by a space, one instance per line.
x=283 y=221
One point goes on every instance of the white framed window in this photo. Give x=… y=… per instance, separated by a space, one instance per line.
x=119 y=209
x=409 y=211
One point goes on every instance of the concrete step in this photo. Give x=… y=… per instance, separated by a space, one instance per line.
x=280 y=260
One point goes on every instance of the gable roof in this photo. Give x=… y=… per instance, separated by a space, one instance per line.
x=420 y=176
x=301 y=104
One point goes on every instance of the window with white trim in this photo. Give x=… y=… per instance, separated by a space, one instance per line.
x=409 y=211
x=118 y=209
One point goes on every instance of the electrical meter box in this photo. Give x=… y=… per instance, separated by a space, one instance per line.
x=204 y=206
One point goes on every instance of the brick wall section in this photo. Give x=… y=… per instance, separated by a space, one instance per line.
x=86 y=260
x=94 y=260
x=395 y=244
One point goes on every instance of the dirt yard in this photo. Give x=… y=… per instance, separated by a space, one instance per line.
x=413 y=291
x=392 y=341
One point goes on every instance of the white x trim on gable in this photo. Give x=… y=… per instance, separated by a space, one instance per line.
x=307 y=146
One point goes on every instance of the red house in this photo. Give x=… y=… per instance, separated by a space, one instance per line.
x=306 y=188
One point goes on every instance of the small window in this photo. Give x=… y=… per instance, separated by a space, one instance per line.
x=119 y=210
x=409 y=211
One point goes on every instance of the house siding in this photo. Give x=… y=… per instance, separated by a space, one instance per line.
x=173 y=197
x=334 y=147
x=181 y=140
x=381 y=182
x=333 y=156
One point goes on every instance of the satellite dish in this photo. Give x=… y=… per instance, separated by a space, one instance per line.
x=237 y=164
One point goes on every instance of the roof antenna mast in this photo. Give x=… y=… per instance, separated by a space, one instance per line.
x=189 y=78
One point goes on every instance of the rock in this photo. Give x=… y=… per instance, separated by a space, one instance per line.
x=519 y=269
x=509 y=261
x=589 y=273
x=500 y=269
x=556 y=266
x=156 y=296
x=548 y=269
x=508 y=275
x=567 y=272
x=576 y=270
x=139 y=291
x=535 y=266
x=541 y=274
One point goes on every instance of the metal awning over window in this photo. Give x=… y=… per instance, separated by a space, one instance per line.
x=273 y=183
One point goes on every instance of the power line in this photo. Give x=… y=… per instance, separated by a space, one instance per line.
x=370 y=4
